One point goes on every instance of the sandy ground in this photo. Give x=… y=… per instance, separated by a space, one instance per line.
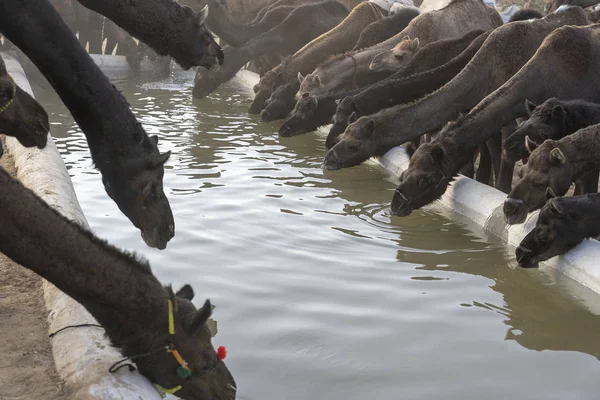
x=27 y=369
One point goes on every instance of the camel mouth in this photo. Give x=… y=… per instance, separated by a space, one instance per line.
x=332 y=162
x=154 y=241
x=526 y=258
x=515 y=211
x=289 y=132
x=401 y=205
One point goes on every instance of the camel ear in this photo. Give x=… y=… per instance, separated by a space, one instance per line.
x=338 y=101
x=550 y=193
x=154 y=138
x=558 y=112
x=414 y=46
x=405 y=38
x=555 y=207
x=438 y=154
x=199 y=318
x=186 y=292
x=529 y=107
x=530 y=145
x=317 y=80
x=161 y=159
x=352 y=118
x=300 y=77
x=203 y=14
x=370 y=127
x=557 y=156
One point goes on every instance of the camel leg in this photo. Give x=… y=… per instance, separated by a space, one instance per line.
x=588 y=183
x=126 y=44
x=484 y=171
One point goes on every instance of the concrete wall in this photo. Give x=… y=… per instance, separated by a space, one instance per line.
x=483 y=205
x=82 y=355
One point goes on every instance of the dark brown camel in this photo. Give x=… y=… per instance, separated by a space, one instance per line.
x=339 y=39
x=20 y=115
x=165 y=26
x=563 y=223
x=286 y=38
x=120 y=291
x=563 y=66
x=131 y=166
x=502 y=55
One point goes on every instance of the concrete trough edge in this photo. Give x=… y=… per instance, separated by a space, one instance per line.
x=82 y=355
x=483 y=205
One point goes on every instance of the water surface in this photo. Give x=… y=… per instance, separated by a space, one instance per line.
x=320 y=293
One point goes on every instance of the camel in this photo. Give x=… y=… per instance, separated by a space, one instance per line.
x=339 y=39
x=287 y=37
x=563 y=223
x=120 y=291
x=555 y=164
x=311 y=112
x=553 y=5
x=502 y=55
x=237 y=34
x=563 y=66
x=21 y=116
x=281 y=102
x=131 y=166
x=553 y=119
x=385 y=28
x=165 y=26
x=399 y=56
x=525 y=14
x=456 y=19
x=438 y=62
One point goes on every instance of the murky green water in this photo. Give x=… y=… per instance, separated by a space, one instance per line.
x=322 y=295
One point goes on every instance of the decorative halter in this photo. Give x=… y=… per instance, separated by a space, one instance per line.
x=12 y=99
x=183 y=371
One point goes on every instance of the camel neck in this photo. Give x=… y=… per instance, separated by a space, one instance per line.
x=110 y=284
x=582 y=149
x=98 y=108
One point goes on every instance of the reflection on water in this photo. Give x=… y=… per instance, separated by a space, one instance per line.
x=320 y=293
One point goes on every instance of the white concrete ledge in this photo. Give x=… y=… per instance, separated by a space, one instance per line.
x=82 y=355
x=483 y=205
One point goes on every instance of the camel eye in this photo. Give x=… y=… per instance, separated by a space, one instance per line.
x=424 y=182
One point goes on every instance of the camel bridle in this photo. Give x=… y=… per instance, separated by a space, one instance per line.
x=12 y=98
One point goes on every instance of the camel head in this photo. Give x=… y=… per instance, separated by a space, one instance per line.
x=196 y=44
x=20 y=115
x=191 y=369
x=423 y=182
x=547 y=167
x=546 y=121
x=345 y=108
x=357 y=145
x=397 y=58
x=264 y=89
x=557 y=230
x=281 y=102
x=137 y=188
x=309 y=84
x=300 y=121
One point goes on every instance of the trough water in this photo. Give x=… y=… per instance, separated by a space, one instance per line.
x=319 y=292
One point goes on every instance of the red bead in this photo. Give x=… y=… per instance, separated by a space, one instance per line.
x=221 y=352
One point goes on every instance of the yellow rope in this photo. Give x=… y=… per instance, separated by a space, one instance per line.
x=14 y=93
x=169 y=391
x=171 y=319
